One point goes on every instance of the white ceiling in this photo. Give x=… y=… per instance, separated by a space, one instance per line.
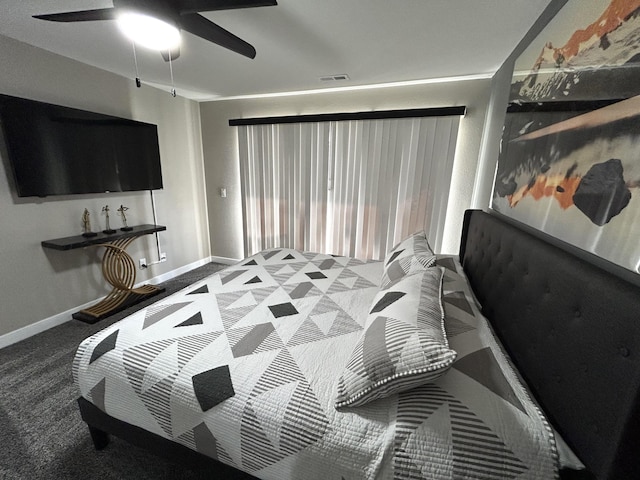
x=297 y=42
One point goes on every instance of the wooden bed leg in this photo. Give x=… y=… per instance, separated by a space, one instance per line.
x=100 y=438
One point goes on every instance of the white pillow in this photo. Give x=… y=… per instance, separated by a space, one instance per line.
x=404 y=343
x=411 y=255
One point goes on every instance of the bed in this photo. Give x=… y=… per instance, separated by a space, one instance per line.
x=291 y=365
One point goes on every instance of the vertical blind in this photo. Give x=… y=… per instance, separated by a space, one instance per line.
x=353 y=188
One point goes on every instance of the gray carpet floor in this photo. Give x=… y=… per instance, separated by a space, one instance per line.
x=42 y=436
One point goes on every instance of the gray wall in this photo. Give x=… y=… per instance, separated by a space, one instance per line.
x=221 y=158
x=37 y=284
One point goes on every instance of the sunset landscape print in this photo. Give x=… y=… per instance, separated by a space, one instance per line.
x=569 y=148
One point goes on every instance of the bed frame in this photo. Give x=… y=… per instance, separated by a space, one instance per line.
x=572 y=330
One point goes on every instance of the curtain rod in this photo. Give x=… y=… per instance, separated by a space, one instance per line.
x=334 y=117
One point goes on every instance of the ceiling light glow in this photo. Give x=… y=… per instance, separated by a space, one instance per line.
x=148 y=31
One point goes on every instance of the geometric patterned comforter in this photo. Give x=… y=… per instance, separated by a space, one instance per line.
x=242 y=366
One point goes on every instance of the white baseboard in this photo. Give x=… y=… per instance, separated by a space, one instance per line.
x=39 y=327
x=225 y=260
x=174 y=273
x=60 y=318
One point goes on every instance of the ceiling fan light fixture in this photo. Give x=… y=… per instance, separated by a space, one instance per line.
x=148 y=31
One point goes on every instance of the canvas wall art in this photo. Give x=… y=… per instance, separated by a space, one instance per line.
x=569 y=160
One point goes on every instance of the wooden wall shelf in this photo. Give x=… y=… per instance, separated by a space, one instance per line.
x=79 y=241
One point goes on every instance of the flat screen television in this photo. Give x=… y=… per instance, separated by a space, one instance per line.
x=55 y=150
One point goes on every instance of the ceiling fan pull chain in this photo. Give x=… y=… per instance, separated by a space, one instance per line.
x=173 y=87
x=135 y=61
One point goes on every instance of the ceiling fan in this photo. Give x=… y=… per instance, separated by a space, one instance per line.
x=173 y=16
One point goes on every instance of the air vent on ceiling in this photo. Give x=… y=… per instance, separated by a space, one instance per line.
x=333 y=78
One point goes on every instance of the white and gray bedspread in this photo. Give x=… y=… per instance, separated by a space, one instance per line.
x=242 y=366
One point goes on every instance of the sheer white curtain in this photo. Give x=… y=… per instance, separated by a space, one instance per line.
x=352 y=188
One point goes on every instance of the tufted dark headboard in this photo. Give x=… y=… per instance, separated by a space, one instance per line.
x=573 y=332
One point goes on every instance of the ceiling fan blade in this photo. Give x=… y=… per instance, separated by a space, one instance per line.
x=203 y=28
x=80 y=16
x=195 y=6
x=171 y=54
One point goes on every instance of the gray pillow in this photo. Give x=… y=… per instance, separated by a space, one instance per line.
x=411 y=255
x=404 y=343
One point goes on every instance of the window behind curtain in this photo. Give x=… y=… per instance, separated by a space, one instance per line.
x=352 y=188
